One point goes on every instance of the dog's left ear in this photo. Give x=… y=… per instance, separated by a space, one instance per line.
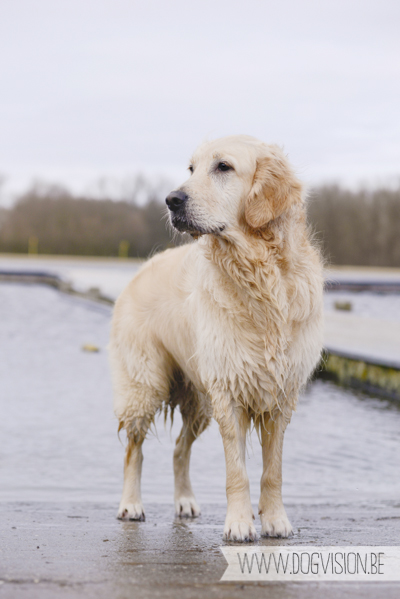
x=275 y=189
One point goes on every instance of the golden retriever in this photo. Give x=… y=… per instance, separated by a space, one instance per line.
x=228 y=327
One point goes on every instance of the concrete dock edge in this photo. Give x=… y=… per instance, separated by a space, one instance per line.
x=354 y=371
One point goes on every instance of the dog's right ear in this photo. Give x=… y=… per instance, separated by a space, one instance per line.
x=274 y=190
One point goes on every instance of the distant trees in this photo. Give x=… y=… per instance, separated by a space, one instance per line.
x=359 y=228
x=64 y=224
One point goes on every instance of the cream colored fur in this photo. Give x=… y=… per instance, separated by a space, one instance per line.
x=229 y=326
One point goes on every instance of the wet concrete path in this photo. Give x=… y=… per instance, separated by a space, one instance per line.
x=61 y=473
x=79 y=550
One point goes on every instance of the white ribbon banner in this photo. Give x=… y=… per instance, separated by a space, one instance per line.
x=299 y=563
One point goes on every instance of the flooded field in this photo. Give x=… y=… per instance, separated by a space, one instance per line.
x=367 y=304
x=59 y=436
x=111 y=275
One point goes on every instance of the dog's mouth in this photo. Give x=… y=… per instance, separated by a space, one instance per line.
x=196 y=234
x=185 y=225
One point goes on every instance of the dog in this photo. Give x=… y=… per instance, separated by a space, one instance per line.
x=229 y=327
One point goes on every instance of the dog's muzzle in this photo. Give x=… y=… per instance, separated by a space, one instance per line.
x=181 y=219
x=177 y=205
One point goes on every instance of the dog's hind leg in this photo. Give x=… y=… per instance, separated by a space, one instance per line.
x=136 y=423
x=141 y=385
x=136 y=407
x=196 y=415
x=185 y=502
x=274 y=521
x=131 y=507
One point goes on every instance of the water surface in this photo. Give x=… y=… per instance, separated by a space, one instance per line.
x=58 y=435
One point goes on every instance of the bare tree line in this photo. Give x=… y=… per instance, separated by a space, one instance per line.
x=61 y=223
x=359 y=228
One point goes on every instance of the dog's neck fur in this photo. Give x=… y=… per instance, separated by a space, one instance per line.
x=256 y=263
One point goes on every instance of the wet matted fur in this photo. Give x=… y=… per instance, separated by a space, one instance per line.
x=228 y=327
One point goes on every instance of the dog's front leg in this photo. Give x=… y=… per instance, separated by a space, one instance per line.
x=274 y=521
x=233 y=425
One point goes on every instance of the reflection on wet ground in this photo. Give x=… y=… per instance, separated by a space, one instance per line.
x=78 y=549
x=61 y=467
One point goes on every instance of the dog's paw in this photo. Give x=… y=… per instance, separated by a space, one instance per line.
x=186 y=507
x=241 y=531
x=276 y=525
x=131 y=511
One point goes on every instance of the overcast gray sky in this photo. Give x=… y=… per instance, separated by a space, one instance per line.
x=107 y=88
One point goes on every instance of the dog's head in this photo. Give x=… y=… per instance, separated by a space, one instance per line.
x=234 y=182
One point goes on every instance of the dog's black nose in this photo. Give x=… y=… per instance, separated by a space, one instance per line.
x=175 y=200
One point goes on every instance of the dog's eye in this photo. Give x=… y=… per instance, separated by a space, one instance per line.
x=191 y=169
x=222 y=166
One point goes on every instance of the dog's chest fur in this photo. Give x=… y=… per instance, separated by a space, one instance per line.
x=246 y=339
